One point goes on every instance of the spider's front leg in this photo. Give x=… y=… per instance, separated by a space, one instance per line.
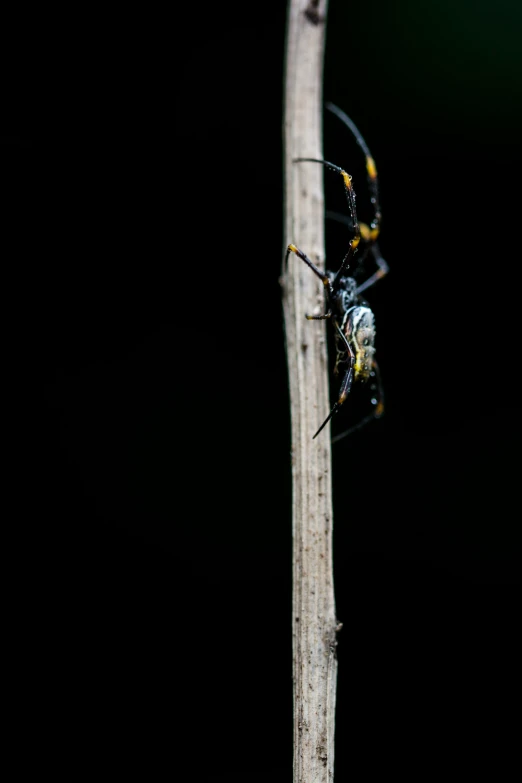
x=322 y=275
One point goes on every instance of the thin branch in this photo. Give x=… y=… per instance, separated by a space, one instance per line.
x=313 y=619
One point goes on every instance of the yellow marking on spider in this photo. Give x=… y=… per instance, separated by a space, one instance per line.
x=365 y=231
x=374 y=233
x=379 y=410
x=347 y=180
x=292 y=248
x=355 y=241
x=371 y=168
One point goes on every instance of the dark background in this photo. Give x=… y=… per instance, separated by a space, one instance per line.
x=146 y=197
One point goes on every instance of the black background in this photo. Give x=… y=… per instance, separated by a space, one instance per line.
x=146 y=205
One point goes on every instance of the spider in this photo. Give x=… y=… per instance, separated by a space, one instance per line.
x=352 y=318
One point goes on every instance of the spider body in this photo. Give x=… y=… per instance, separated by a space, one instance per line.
x=352 y=318
x=358 y=326
x=357 y=323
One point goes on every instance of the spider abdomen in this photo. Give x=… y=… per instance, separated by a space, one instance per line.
x=359 y=328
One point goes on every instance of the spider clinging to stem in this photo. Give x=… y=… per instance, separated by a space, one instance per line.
x=352 y=318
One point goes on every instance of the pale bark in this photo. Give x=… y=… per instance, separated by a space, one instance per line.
x=313 y=618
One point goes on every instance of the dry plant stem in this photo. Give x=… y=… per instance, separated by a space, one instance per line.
x=314 y=620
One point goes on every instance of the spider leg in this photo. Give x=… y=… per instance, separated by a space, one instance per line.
x=345 y=385
x=378 y=412
x=379 y=274
x=322 y=275
x=369 y=233
x=350 y=195
x=371 y=169
x=372 y=248
x=319 y=317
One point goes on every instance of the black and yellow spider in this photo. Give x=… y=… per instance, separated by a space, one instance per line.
x=350 y=314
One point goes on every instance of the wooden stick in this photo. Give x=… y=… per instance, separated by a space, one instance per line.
x=314 y=621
